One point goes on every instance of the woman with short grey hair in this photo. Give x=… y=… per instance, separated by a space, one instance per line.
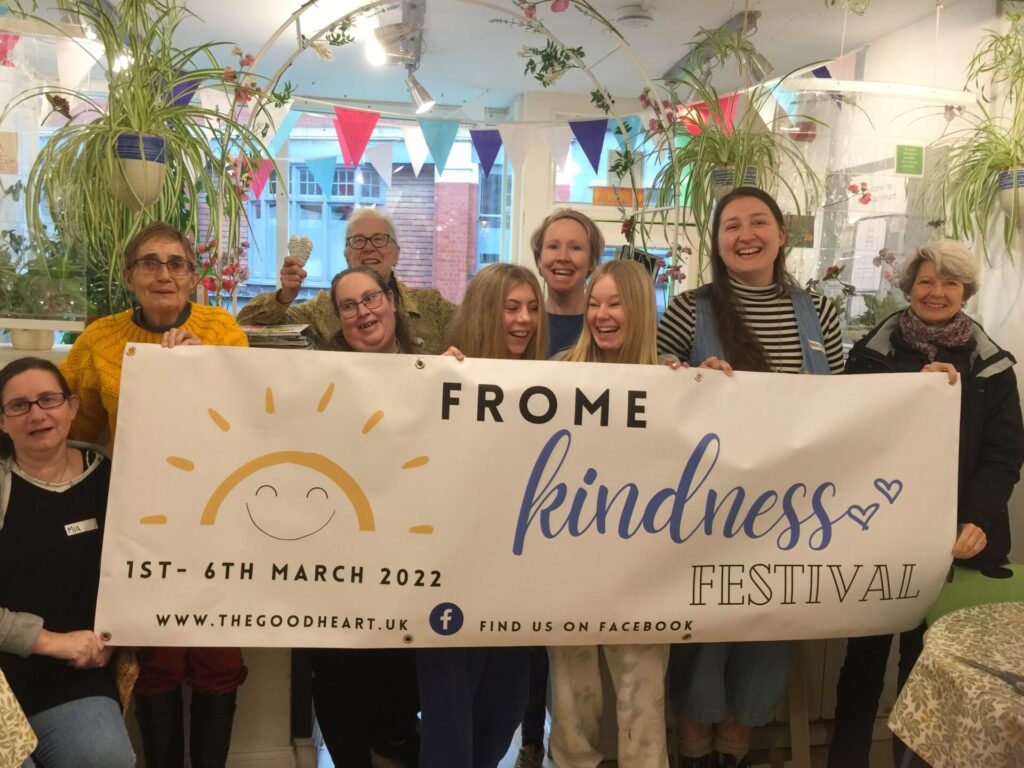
x=951 y=258
x=934 y=335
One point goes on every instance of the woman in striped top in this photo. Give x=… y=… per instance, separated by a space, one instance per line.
x=754 y=315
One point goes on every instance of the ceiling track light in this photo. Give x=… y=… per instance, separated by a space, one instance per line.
x=392 y=43
x=420 y=96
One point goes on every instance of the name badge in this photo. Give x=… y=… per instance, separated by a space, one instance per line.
x=81 y=526
x=817 y=346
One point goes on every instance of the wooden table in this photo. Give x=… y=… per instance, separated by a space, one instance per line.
x=954 y=715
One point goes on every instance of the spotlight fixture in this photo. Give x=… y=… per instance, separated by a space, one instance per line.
x=420 y=97
x=760 y=67
x=389 y=44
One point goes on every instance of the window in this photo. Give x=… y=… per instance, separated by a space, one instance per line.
x=421 y=211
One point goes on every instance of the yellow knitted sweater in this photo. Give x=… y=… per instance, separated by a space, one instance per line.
x=93 y=366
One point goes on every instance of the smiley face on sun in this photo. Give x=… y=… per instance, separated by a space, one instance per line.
x=289 y=495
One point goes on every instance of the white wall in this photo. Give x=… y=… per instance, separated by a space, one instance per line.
x=915 y=55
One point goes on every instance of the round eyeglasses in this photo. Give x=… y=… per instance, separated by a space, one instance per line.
x=175 y=266
x=47 y=402
x=372 y=300
x=358 y=242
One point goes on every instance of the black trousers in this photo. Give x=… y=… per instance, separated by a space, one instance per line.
x=365 y=699
x=536 y=705
x=859 y=689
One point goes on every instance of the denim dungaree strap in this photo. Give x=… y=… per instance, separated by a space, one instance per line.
x=812 y=342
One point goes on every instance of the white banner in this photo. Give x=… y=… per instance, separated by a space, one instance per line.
x=288 y=498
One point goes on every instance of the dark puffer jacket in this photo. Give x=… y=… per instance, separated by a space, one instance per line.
x=991 y=432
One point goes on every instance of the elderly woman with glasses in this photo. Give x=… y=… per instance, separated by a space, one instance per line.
x=370 y=241
x=160 y=268
x=55 y=663
x=934 y=335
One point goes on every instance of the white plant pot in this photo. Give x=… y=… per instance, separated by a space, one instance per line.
x=31 y=339
x=725 y=181
x=141 y=167
x=1011 y=195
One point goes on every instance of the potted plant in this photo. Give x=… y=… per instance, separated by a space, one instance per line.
x=38 y=282
x=983 y=173
x=94 y=194
x=715 y=144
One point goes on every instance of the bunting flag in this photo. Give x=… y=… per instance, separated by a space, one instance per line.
x=590 y=135
x=380 y=157
x=786 y=99
x=416 y=146
x=487 y=144
x=260 y=170
x=74 y=60
x=559 y=141
x=356 y=126
x=282 y=132
x=342 y=143
x=8 y=42
x=268 y=118
x=215 y=100
x=727 y=106
x=515 y=137
x=322 y=169
x=183 y=91
x=476 y=108
x=439 y=135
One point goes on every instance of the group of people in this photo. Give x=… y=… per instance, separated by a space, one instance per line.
x=460 y=707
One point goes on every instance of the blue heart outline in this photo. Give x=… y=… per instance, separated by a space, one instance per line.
x=886 y=488
x=863 y=515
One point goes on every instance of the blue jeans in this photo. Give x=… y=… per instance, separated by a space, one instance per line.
x=85 y=733
x=708 y=681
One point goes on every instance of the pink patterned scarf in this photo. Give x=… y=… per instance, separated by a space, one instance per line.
x=928 y=338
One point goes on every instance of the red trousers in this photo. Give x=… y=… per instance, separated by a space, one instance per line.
x=207 y=670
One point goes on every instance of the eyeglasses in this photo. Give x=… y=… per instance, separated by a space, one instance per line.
x=47 y=402
x=372 y=300
x=358 y=242
x=175 y=266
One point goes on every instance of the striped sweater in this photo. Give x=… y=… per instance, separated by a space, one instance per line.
x=93 y=366
x=768 y=315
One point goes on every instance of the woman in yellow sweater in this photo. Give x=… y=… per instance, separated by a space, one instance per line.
x=160 y=268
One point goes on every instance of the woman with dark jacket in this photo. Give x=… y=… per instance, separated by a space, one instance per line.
x=934 y=334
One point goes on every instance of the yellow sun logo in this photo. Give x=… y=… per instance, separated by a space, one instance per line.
x=285 y=493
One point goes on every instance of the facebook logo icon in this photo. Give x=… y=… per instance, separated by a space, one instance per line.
x=446 y=618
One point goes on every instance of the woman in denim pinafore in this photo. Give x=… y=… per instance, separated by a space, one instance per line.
x=754 y=316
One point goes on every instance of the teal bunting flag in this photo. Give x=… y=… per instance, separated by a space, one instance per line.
x=439 y=135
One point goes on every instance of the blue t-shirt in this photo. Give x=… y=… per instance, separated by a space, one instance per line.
x=563 y=331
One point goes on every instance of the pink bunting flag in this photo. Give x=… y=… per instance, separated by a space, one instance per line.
x=8 y=42
x=356 y=126
x=260 y=170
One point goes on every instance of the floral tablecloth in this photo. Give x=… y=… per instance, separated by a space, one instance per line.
x=956 y=716
x=16 y=738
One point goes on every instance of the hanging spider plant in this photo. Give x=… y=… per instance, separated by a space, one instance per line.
x=710 y=137
x=984 y=167
x=150 y=86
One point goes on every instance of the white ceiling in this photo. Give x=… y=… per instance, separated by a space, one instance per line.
x=467 y=54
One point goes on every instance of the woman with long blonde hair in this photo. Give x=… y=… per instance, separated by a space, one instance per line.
x=619 y=327
x=501 y=317
x=472 y=699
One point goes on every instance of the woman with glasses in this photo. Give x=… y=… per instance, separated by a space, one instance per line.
x=160 y=268
x=366 y=700
x=370 y=241
x=55 y=664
